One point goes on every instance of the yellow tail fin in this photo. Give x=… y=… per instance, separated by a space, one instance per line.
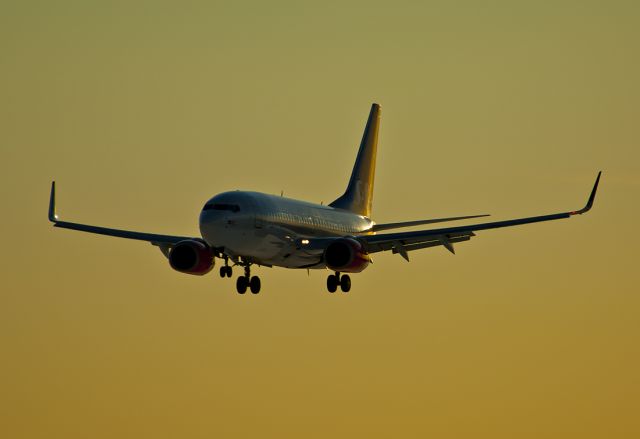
x=359 y=194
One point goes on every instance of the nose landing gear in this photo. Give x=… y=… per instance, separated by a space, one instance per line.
x=226 y=270
x=335 y=280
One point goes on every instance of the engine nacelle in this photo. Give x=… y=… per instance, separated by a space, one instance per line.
x=346 y=255
x=191 y=257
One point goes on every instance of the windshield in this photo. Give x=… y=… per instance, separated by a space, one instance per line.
x=221 y=206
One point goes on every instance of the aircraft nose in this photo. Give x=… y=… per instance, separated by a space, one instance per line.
x=210 y=216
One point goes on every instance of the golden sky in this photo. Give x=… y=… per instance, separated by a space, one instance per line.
x=143 y=110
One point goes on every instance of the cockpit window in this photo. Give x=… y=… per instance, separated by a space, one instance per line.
x=222 y=206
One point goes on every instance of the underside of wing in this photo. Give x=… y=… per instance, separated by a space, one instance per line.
x=401 y=244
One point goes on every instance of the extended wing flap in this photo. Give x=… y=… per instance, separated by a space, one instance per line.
x=447 y=242
x=412 y=242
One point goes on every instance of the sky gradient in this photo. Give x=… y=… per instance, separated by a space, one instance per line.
x=141 y=111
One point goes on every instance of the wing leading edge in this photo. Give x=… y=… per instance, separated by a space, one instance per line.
x=163 y=241
x=404 y=242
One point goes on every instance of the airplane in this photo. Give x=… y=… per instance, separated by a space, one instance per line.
x=251 y=228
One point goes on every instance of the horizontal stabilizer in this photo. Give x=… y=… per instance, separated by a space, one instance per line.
x=389 y=226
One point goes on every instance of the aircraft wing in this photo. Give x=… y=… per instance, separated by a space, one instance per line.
x=165 y=242
x=404 y=242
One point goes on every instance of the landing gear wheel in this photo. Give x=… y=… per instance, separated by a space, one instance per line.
x=332 y=283
x=223 y=271
x=254 y=284
x=241 y=285
x=345 y=283
x=229 y=271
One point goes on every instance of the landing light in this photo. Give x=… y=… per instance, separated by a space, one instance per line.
x=305 y=241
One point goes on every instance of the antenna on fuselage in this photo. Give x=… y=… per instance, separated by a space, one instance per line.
x=282 y=193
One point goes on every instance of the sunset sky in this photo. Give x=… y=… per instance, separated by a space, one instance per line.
x=142 y=110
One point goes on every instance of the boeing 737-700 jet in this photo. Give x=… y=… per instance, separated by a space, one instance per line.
x=251 y=228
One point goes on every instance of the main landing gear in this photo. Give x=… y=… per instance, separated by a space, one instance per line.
x=343 y=281
x=248 y=281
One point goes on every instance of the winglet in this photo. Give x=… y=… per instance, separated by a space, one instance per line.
x=592 y=197
x=52 y=204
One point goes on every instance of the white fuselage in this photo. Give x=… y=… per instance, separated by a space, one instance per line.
x=271 y=230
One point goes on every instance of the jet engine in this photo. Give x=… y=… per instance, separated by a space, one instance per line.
x=191 y=257
x=346 y=255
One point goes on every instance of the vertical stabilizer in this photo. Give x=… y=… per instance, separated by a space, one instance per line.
x=359 y=194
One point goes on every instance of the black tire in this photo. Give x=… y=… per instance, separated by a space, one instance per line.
x=229 y=271
x=345 y=283
x=241 y=285
x=223 y=271
x=254 y=284
x=332 y=283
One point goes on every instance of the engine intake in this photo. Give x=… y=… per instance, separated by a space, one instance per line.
x=346 y=255
x=191 y=257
